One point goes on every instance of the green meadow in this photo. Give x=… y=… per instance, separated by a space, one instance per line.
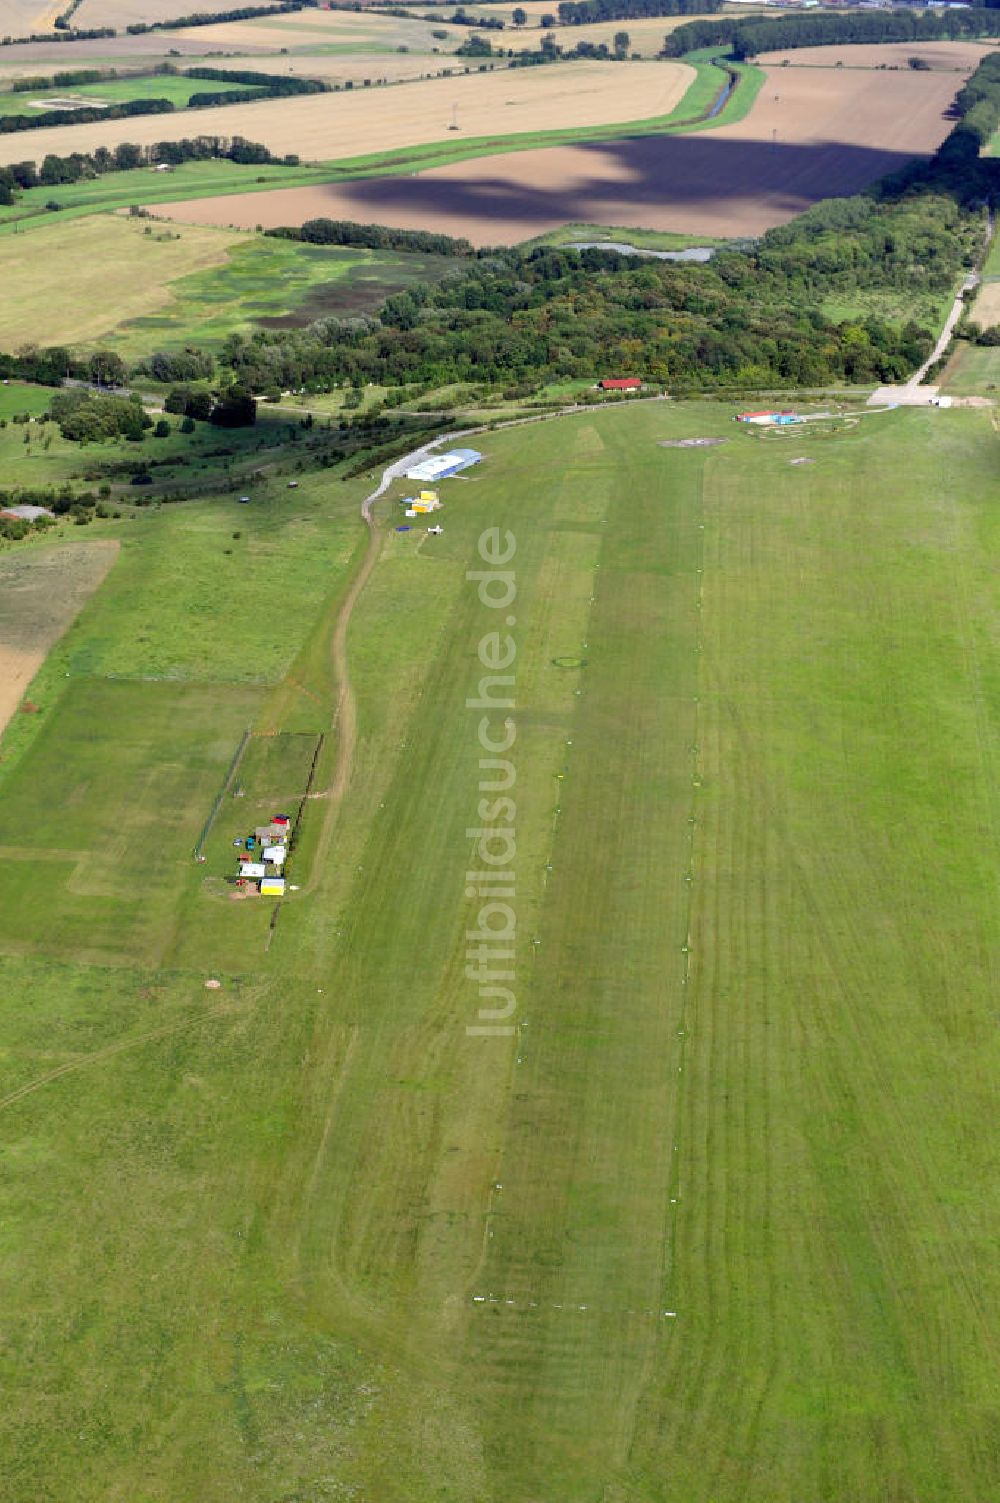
x=115 y=90
x=188 y=284
x=715 y=1222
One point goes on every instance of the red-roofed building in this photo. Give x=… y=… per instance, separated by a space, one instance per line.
x=620 y=383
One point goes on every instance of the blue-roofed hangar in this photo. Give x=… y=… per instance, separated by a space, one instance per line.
x=441 y=466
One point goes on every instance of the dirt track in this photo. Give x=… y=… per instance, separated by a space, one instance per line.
x=811 y=134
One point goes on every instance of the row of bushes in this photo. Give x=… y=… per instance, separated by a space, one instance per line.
x=64 y=32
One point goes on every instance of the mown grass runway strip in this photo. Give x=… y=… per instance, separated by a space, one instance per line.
x=716 y=1225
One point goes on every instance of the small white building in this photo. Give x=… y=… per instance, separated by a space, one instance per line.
x=275 y=854
x=254 y=869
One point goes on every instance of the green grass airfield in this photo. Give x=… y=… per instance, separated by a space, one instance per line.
x=718 y=1223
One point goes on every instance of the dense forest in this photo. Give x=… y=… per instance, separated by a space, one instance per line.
x=748 y=38
x=511 y=317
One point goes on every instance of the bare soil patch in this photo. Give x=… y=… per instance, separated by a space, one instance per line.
x=811 y=134
x=326 y=127
x=41 y=593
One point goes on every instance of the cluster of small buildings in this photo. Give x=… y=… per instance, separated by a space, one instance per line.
x=436 y=467
x=262 y=856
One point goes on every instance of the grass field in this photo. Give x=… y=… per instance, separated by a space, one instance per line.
x=715 y=1223
x=41 y=591
x=116 y=91
x=177 y=287
x=973 y=370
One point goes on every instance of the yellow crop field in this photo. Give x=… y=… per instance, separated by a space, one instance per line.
x=324 y=127
x=61 y=292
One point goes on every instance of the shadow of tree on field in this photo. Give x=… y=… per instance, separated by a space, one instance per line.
x=619 y=182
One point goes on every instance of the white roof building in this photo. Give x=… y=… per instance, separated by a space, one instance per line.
x=440 y=466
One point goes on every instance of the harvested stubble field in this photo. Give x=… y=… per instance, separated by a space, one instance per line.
x=949 y=57
x=21 y=18
x=325 y=127
x=810 y=134
x=321 y=29
x=122 y=13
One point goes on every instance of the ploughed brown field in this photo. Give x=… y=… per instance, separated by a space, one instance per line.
x=324 y=127
x=811 y=134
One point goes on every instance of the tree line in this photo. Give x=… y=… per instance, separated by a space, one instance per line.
x=374 y=236
x=748 y=38
x=582 y=12
x=127 y=157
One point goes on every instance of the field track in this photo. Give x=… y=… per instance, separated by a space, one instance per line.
x=810 y=134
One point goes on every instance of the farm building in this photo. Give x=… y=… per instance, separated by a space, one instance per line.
x=272 y=887
x=441 y=466
x=620 y=383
